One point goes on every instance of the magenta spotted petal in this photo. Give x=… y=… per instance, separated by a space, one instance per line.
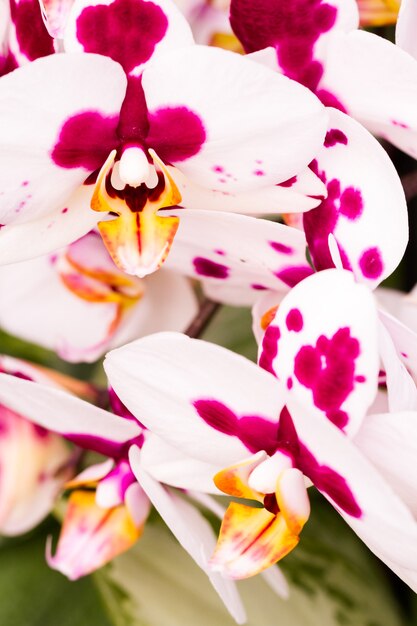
x=326 y=350
x=293 y=28
x=365 y=208
x=128 y=31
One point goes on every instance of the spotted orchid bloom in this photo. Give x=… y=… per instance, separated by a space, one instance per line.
x=318 y=44
x=23 y=36
x=103 y=125
x=361 y=224
x=267 y=439
x=109 y=503
x=79 y=304
x=35 y=462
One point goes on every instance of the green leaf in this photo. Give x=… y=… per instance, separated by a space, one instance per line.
x=232 y=328
x=33 y=595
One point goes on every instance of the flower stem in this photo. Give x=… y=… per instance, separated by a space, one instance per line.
x=206 y=312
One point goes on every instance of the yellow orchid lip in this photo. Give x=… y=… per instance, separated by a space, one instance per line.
x=138 y=239
x=252 y=538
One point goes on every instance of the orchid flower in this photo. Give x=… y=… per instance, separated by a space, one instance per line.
x=35 y=462
x=23 y=36
x=265 y=437
x=101 y=127
x=318 y=44
x=360 y=225
x=109 y=505
x=79 y=304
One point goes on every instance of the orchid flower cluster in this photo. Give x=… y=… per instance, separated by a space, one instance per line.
x=159 y=157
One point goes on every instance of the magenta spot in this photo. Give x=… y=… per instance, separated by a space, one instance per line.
x=175 y=133
x=335 y=136
x=220 y=252
x=255 y=432
x=328 y=369
x=85 y=140
x=360 y=378
x=280 y=247
x=65 y=210
x=320 y=222
x=217 y=415
x=119 y=408
x=259 y=173
x=371 y=263
x=133 y=122
x=108 y=447
x=330 y=100
x=25 y=183
x=351 y=203
x=293 y=28
x=323 y=477
x=338 y=417
x=400 y=124
x=288 y=183
x=269 y=348
x=8 y=63
x=291 y=276
x=31 y=34
x=258 y=287
x=289 y=383
x=211 y=269
x=219 y=169
x=404 y=355
x=127 y=31
x=294 y=320
x=259 y=433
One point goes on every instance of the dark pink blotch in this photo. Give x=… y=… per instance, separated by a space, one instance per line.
x=294 y=320
x=210 y=269
x=328 y=369
x=335 y=136
x=280 y=247
x=289 y=182
x=258 y=433
x=323 y=477
x=127 y=31
x=291 y=276
x=175 y=133
x=371 y=263
x=320 y=222
x=351 y=203
x=32 y=37
x=107 y=447
x=85 y=140
x=292 y=27
x=269 y=348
